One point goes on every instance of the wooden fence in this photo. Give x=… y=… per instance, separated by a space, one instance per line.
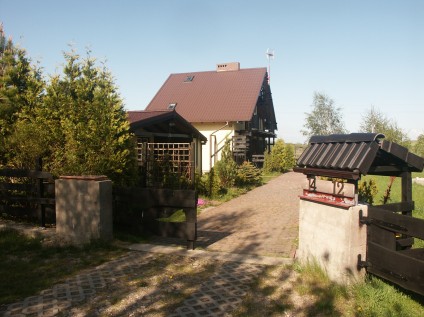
x=26 y=193
x=139 y=209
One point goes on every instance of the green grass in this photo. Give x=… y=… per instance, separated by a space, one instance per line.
x=126 y=235
x=227 y=194
x=27 y=267
x=330 y=298
x=375 y=297
x=266 y=177
x=306 y=290
x=177 y=216
x=417 y=191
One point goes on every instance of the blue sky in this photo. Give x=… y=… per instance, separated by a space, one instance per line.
x=359 y=53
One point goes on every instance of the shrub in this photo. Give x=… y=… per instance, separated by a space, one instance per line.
x=226 y=167
x=367 y=190
x=208 y=184
x=248 y=175
x=281 y=159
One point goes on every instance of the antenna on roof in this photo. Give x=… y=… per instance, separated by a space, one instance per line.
x=269 y=56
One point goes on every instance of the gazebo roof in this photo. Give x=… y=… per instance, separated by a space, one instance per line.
x=350 y=155
x=167 y=122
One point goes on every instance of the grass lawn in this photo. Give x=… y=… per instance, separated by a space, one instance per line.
x=417 y=191
x=307 y=291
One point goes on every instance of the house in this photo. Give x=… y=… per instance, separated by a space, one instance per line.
x=164 y=136
x=228 y=103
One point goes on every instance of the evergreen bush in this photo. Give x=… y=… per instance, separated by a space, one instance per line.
x=281 y=158
x=248 y=175
x=226 y=167
x=209 y=182
x=367 y=190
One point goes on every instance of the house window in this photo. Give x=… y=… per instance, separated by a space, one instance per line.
x=189 y=79
x=172 y=106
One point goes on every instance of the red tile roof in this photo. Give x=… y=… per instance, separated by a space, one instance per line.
x=212 y=96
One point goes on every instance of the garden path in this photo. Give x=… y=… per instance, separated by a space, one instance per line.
x=264 y=221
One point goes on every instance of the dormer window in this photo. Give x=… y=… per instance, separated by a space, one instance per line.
x=172 y=106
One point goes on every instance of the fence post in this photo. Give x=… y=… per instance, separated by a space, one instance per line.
x=41 y=208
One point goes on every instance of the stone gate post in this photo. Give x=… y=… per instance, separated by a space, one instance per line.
x=332 y=237
x=84 y=208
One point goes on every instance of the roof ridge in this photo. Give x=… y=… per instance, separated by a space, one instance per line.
x=214 y=71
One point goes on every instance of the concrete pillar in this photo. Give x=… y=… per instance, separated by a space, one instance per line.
x=84 y=208
x=332 y=237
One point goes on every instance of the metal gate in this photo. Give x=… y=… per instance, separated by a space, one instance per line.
x=389 y=251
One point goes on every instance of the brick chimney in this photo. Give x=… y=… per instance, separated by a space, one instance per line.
x=225 y=67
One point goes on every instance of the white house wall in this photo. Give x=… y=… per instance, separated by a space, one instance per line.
x=222 y=131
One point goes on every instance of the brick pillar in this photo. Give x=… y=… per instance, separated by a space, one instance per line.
x=84 y=208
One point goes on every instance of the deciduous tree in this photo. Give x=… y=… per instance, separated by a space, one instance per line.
x=419 y=146
x=325 y=118
x=374 y=121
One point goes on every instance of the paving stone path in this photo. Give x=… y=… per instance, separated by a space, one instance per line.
x=61 y=297
x=221 y=293
x=262 y=222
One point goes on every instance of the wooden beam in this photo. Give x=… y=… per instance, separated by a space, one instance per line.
x=396 y=266
x=354 y=175
x=9 y=172
x=397 y=207
x=407 y=190
x=397 y=223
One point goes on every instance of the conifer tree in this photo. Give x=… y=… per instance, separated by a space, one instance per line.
x=86 y=126
x=21 y=91
x=226 y=167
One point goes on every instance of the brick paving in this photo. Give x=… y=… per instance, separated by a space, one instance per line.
x=263 y=222
x=61 y=297
x=221 y=293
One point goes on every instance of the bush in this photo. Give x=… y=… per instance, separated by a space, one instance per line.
x=367 y=191
x=208 y=184
x=281 y=159
x=226 y=167
x=248 y=175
